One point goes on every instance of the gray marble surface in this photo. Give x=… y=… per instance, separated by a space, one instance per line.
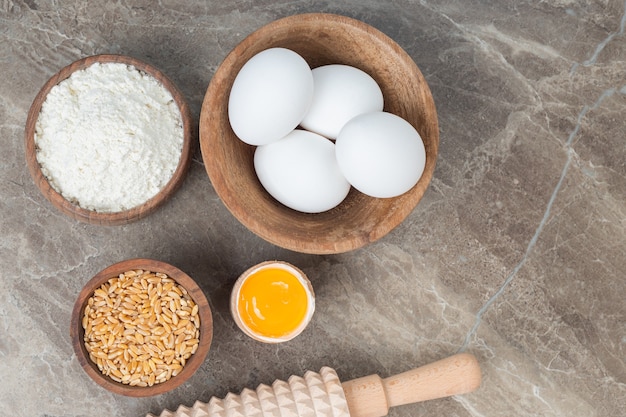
x=516 y=253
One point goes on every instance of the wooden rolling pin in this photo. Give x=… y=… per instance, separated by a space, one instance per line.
x=323 y=395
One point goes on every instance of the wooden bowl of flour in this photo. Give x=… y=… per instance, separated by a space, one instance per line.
x=108 y=139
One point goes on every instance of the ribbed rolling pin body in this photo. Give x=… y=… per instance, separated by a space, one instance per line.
x=323 y=395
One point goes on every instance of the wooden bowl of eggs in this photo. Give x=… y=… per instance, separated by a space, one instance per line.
x=302 y=166
x=141 y=327
x=108 y=139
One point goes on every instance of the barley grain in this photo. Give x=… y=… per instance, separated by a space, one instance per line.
x=140 y=328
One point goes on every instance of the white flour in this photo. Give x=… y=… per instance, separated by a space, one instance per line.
x=109 y=137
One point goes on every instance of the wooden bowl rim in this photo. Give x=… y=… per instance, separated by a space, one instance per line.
x=193 y=363
x=91 y=216
x=215 y=97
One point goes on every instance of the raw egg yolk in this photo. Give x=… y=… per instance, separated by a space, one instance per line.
x=272 y=302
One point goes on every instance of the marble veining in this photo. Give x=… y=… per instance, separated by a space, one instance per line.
x=516 y=253
x=531 y=244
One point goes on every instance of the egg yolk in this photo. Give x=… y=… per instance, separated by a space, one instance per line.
x=272 y=302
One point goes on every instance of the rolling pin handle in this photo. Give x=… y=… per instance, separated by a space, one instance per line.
x=372 y=396
x=366 y=397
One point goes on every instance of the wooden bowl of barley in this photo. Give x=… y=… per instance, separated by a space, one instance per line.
x=141 y=327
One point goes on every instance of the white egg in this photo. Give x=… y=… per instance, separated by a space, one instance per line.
x=381 y=154
x=270 y=95
x=301 y=172
x=341 y=93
